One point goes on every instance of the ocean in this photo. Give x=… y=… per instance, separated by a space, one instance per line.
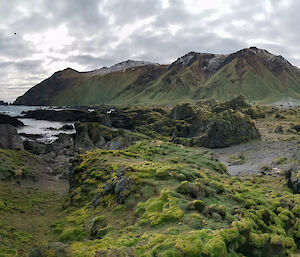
x=47 y=129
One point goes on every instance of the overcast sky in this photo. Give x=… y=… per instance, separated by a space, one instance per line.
x=39 y=37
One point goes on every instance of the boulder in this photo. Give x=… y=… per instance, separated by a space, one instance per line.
x=293 y=178
x=35 y=147
x=63 y=145
x=279 y=129
x=67 y=127
x=9 y=138
x=6 y=119
x=228 y=129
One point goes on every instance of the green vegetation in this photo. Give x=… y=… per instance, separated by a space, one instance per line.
x=25 y=216
x=241 y=73
x=158 y=196
x=14 y=165
x=139 y=201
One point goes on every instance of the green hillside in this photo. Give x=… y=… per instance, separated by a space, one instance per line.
x=254 y=73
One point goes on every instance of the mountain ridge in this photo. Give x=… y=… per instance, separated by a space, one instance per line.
x=255 y=73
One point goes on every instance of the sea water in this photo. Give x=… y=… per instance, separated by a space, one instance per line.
x=47 y=129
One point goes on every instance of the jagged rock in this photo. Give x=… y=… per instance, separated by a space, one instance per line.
x=63 y=145
x=231 y=129
x=83 y=141
x=6 y=119
x=279 y=129
x=67 y=127
x=96 y=200
x=119 y=187
x=91 y=135
x=35 y=147
x=293 y=179
x=9 y=138
x=122 y=186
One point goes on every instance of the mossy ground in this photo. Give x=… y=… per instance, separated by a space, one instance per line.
x=181 y=203
x=26 y=210
x=14 y=165
x=25 y=216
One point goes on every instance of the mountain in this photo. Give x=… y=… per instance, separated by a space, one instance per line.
x=255 y=73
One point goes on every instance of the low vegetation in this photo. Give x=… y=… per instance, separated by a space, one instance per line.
x=161 y=199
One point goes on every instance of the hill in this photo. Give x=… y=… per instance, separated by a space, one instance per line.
x=255 y=73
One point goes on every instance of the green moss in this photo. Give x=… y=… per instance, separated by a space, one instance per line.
x=156 y=211
x=198 y=205
x=259 y=240
x=72 y=234
x=185 y=207
x=215 y=247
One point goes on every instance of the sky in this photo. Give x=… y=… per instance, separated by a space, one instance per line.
x=39 y=37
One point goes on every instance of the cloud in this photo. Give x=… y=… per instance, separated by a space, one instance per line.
x=86 y=35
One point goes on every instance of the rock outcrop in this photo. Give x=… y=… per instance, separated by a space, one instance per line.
x=61 y=115
x=293 y=178
x=3 y=103
x=6 y=119
x=90 y=135
x=9 y=138
x=230 y=129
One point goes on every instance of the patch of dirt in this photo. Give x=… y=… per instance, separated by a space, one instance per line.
x=257 y=155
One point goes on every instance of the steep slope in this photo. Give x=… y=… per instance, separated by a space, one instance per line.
x=255 y=73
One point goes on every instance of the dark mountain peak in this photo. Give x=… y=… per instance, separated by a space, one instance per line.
x=70 y=69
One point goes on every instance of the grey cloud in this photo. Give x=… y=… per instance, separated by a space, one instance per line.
x=14 y=46
x=90 y=61
x=95 y=27
x=129 y=11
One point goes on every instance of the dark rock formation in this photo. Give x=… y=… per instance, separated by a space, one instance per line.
x=35 y=147
x=90 y=135
x=6 y=119
x=67 y=127
x=9 y=138
x=61 y=115
x=3 y=103
x=293 y=179
x=230 y=129
x=278 y=129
